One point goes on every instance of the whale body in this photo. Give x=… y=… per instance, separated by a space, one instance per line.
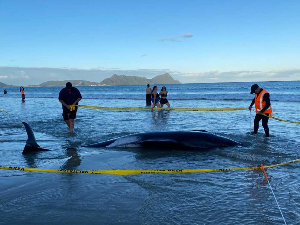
x=165 y=140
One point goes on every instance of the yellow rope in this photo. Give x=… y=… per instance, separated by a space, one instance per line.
x=136 y=172
x=4 y=111
x=143 y=108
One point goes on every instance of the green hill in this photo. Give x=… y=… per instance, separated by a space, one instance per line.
x=134 y=80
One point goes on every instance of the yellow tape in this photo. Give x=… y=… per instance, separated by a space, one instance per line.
x=274 y=118
x=136 y=172
x=287 y=121
x=72 y=107
x=4 y=111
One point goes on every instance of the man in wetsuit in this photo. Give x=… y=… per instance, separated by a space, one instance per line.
x=69 y=96
x=263 y=106
x=148 y=95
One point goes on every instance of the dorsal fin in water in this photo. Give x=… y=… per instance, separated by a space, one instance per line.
x=31 y=142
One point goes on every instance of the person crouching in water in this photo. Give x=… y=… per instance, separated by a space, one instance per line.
x=263 y=106
x=155 y=98
x=22 y=93
x=69 y=96
x=163 y=94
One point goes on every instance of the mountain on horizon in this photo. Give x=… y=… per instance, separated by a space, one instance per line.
x=113 y=81
x=2 y=85
x=63 y=83
x=134 y=80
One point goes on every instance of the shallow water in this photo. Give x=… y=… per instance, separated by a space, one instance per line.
x=237 y=197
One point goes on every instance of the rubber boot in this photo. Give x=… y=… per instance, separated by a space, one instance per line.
x=267 y=133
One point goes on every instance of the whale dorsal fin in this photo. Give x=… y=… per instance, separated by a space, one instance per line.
x=31 y=139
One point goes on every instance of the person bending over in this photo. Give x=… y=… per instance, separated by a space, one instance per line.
x=69 y=96
x=263 y=106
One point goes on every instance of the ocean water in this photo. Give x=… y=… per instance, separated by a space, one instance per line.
x=236 y=197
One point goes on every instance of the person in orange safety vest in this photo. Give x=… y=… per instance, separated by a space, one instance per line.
x=263 y=106
x=22 y=93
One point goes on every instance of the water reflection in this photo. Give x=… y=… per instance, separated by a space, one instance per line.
x=160 y=117
x=74 y=161
x=30 y=159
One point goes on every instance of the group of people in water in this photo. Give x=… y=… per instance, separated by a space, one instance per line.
x=22 y=91
x=71 y=96
x=157 y=99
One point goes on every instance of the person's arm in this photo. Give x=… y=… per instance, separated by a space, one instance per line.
x=79 y=97
x=77 y=100
x=252 y=103
x=64 y=104
x=266 y=98
x=61 y=99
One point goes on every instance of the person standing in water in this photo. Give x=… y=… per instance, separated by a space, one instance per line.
x=69 y=96
x=5 y=91
x=148 y=95
x=22 y=93
x=155 y=98
x=263 y=106
x=163 y=94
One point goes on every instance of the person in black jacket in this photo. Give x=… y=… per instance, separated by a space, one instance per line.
x=69 y=96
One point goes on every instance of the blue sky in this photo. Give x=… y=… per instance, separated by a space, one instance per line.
x=196 y=41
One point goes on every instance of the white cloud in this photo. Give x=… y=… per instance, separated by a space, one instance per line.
x=242 y=76
x=187 y=35
x=143 y=55
x=4 y=77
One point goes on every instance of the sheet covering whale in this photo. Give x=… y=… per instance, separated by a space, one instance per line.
x=163 y=140
x=31 y=145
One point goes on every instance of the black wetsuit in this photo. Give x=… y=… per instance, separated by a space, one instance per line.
x=259 y=117
x=69 y=97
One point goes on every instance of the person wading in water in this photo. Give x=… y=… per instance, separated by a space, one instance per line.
x=69 y=96
x=263 y=106
x=148 y=95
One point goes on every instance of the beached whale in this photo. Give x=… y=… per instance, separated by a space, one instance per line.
x=155 y=140
x=164 y=140
x=31 y=145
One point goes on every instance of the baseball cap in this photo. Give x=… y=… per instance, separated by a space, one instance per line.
x=253 y=88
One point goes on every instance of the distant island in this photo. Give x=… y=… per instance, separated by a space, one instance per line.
x=134 y=80
x=2 y=85
x=114 y=80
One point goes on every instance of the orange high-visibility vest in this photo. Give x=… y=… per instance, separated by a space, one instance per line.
x=260 y=103
x=22 y=93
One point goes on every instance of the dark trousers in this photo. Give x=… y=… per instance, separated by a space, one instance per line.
x=265 y=120
x=148 y=99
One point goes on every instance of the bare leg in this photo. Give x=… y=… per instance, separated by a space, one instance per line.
x=68 y=123
x=71 y=125
x=168 y=104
